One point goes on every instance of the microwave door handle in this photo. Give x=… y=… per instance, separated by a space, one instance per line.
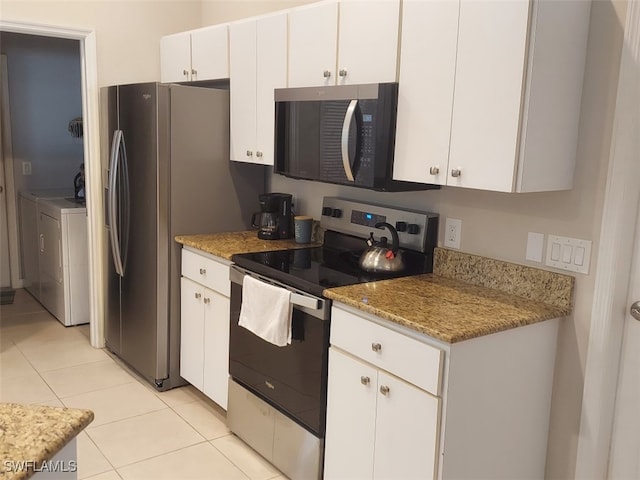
x=348 y=118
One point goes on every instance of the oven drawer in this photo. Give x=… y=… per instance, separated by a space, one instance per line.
x=405 y=357
x=203 y=269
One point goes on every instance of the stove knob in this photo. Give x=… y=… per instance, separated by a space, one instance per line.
x=337 y=213
x=401 y=226
x=413 y=229
x=327 y=211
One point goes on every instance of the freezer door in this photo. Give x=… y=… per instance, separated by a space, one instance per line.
x=139 y=110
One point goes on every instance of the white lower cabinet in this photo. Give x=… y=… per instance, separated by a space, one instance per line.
x=378 y=426
x=204 y=331
x=401 y=404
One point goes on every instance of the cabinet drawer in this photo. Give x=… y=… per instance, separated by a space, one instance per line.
x=206 y=271
x=405 y=357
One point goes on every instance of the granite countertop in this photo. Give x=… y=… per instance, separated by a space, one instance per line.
x=227 y=244
x=34 y=434
x=467 y=296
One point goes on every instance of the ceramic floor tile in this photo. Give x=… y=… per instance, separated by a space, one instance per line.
x=180 y=395
x=245 y=458
x=206 y=418
x=90 y=460
x=37 y=327
x=143 y=437
x=23 y=303
x=87 y=377
x=116 y=403
x=13 y=363
x=110 y=475
x=28 y=388
x=54 y=355
x=198 y=462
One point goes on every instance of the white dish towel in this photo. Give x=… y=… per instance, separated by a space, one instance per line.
x=266 y=311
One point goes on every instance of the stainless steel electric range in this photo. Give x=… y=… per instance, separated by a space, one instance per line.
x=277 y=395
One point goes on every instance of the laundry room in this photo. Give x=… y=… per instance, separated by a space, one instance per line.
x=43 y=168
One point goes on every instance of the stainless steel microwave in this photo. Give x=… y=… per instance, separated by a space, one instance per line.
x=339 y=134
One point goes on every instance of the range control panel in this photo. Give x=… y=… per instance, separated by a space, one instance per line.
x=417 y=230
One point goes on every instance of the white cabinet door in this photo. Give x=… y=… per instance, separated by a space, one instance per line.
x=210 y=53
x=313 y=41
x=425 y=95
x=271 y=68
x=368 y=48
x=175 y=58
x=191 y=332
x=216 y=347
x=407 y=428
x=242 y=74
x=351 y=417
x=492 y=44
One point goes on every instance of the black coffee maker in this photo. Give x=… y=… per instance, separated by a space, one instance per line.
x=274 y=221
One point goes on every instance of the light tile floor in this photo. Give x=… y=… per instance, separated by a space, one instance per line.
x=138 y=433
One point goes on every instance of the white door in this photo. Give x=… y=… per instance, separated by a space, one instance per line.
x=625 y=444
x=216 y=347
x=175 y=57
x=5 y=268
x=191 y=332
x=210 y=53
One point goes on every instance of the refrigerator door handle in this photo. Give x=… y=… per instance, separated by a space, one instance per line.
x=114 y=163
x=127 y=205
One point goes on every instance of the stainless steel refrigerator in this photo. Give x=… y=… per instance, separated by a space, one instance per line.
x=166 y=172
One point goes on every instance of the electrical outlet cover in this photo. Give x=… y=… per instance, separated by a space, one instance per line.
x=452 y=233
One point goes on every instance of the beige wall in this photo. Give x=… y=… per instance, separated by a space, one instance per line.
x=219 y=11
x=127 y=31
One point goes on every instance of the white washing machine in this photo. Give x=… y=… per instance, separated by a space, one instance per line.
x=63 y=260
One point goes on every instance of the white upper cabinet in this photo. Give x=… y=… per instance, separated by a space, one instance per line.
x=258 y=54
x=425 y=94
x=201 y=54
x=518 y=87
x=510 y=124
x=367 y=52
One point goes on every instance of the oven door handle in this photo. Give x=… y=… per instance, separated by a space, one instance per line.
x=304 y=301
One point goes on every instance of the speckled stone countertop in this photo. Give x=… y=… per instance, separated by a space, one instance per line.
x=455 y=309
x=35 y=433
x=229 y=243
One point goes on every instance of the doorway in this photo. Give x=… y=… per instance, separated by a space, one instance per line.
x=91 y=151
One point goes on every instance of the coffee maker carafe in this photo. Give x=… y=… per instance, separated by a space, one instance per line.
x=275 y=219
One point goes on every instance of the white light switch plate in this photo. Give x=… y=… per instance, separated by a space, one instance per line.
x=570 y=254
x=535 y=245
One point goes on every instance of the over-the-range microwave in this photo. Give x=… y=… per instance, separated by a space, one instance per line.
x=339 y=134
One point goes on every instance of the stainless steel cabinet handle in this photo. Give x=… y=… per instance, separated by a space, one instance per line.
x=194 y=72
x=342 y=72
x=434 y=170
x=207 y=300
x=185 y=72
x=384 y=390
x=203 y=271
x=249 y=153
x=326 y=74
x=259 y=154
x=376 y=347
x=456 y=172
x=365 y=380
x=197 y=295
x=635 y=310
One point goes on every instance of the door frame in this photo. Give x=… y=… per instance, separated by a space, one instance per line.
x=91 y=150
x=609 y=307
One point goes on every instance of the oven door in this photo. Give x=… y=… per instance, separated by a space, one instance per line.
x=293 y=379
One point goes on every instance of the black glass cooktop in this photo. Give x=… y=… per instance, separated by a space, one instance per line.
x=314 y=269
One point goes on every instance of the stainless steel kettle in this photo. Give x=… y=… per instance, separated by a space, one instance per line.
x=379 y=258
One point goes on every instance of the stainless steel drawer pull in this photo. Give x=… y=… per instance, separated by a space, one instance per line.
x=376 y=347
x=343 y=72
x=327 y=74
x=365 y=380
x=207 y=300
x=197 y=295
x=185 y=72
x=384 y=390
x=456 y=172
x=203 y=271
x=434 y=170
